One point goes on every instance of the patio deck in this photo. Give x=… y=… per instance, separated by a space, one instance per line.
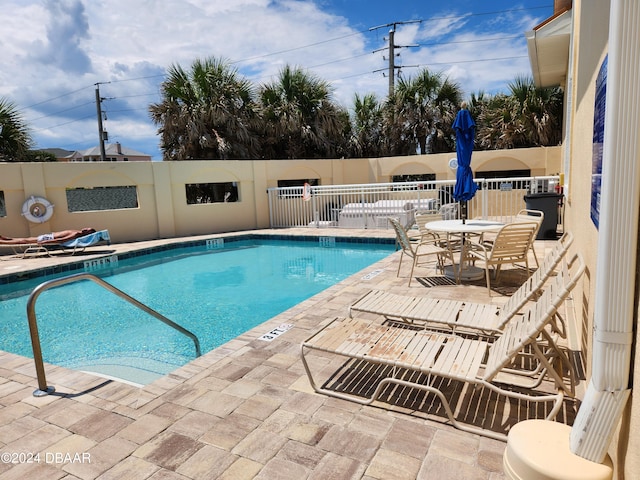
x=244 y=410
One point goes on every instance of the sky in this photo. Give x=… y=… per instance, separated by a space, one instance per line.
x=55 y=53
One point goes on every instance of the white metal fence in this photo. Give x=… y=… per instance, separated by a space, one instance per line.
x=370 y=205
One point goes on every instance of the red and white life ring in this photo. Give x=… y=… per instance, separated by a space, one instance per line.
x=37 y=209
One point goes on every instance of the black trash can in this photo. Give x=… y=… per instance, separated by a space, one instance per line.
x=547 y=203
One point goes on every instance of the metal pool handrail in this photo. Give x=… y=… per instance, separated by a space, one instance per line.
x=43 y=388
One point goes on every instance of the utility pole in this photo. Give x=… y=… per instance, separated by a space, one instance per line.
x=392 y=47
x=103 y=155
x=392 y=56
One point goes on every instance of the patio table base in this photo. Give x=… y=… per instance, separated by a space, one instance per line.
x=468 y=274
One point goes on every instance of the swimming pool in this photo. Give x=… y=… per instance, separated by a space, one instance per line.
x=217 y=291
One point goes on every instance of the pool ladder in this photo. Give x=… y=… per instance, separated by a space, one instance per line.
x=43 y=388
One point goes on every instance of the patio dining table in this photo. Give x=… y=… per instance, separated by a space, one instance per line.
x=476 y=227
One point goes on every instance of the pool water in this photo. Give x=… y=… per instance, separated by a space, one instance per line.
x=217 y=294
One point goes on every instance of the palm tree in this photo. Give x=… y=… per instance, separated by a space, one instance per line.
x=530 y=116
x=541 y=109
x=301 y=120
x=207 y=112
x=367 y=138
x=15 y=139
x=447 y=102
x=397 y=137
x=423 y=109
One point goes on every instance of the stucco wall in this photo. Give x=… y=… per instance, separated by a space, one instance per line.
x=591 y=22
x=163 y=212
x=541 y=161
x=591 y=25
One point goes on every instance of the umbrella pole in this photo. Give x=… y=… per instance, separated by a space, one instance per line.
x=463 y=211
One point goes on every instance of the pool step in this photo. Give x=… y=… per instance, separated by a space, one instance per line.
x=134 y=370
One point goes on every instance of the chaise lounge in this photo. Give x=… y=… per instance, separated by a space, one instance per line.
x=390 y=358
x=76 y=240
x=456 y=315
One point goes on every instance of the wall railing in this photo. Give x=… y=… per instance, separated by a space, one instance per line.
x=370 y=205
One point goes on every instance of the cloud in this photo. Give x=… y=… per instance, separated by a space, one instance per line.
x=67 y=28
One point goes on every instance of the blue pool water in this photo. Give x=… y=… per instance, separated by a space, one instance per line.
x=216 y=293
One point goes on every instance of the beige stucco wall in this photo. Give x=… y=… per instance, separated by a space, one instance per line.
x=541 y=161
x=162 y=208
x=591 y=21
x=590 y=37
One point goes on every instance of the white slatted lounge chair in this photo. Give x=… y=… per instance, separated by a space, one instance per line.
x=456 y=315
x=404 y=353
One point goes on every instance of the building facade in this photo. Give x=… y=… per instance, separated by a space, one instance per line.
x=592 y=49
x=114 y=152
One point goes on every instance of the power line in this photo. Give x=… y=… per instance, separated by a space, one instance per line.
x=495 y=59
x=475 y=40
x=340 y=60
x=257 y=57
x=54 y=98
x=62 y=111
x=62 y=124
x=462 y=61
x=139 y=78
x=138 y=95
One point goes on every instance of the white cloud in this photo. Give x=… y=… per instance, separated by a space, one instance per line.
x=67 y=30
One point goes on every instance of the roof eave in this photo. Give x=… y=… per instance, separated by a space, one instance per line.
x=548 y=48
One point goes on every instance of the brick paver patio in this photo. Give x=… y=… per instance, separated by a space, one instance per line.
x=242 y=411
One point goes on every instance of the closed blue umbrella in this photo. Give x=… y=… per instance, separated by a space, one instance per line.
x=465 y=187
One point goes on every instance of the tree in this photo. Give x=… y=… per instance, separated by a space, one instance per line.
x=300 y=118
x=368 y=127
x=447 y=102
x=529 y=117
x=422 y=110
x=15 y=138
x=40 y=156
x=207 y=112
